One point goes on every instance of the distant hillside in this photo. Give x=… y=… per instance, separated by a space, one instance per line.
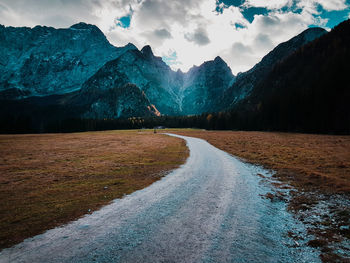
x=247 y=81
x=307 y=91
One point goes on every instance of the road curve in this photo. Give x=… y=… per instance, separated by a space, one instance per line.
x=208 y=210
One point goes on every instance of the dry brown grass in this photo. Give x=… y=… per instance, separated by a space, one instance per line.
x=49 y=179
x=305 y=160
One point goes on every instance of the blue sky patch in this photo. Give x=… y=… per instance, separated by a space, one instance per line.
x=238 y=26
x=227 y=3
x=334 y=17
x=293 y=8
x=124 y=21
x=250 y=12
x=171 y=59
x=232 y=2
x=247 y=12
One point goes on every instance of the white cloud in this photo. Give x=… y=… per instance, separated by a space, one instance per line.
x=51 y=13
x=270 y=4
x=190 y=28
x=331 y=5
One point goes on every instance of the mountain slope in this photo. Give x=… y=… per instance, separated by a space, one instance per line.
x=146 y=71
x=40 y=113
x=204 y=85
x=308 y=91
x=245 y=82
x=173 y=93
x=119 y=100
x=44 y=60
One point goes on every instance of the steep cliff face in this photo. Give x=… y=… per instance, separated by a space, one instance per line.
x=110 y=95
x=173 y=93
x=245 y=82
x=124 y=101
x=204 y=85
x=146 y=71
x=42 y=61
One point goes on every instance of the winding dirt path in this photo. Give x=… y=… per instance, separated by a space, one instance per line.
x=208 y=210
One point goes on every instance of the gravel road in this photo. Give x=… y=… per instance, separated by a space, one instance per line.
x=208 y=210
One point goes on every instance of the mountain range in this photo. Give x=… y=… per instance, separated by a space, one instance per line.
x=48 y=73
x=43 y=61
x=79 y=64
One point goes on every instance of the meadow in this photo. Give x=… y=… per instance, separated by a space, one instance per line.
x=47 y=180
x=304 y=160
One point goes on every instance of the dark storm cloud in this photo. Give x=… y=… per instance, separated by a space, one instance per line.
x=199 y=37
x=263 y=42
x=157 y=36
x=3 y=7
x=239 y=49
x=270 y=21
x=162 y=33
x=159 y=12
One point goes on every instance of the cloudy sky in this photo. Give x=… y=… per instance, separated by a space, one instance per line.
x=186 y=32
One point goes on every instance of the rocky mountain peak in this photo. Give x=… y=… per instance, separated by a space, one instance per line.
x=83 y=25
x=89 y=29
x=312 y=33
x=41 y=28
x=130 y=46
x=218 y=59
x=147 y=50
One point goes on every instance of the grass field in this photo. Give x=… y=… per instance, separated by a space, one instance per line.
x=315 y=167
x=50 y=179
x=306 y=160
